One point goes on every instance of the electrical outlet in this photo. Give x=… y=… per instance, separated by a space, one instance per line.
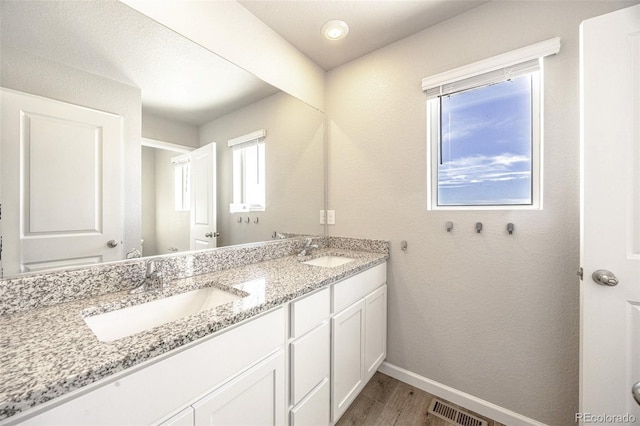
x=331 y=217
x=322 y=215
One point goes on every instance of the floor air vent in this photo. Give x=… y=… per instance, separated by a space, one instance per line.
x=453 y=415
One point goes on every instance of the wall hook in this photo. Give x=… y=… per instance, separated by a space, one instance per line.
x=449 y=226
x=403 y=245
x=510 y=228
x=478 y=227
x=240 y=219
x=255 y=220
x=248 y=219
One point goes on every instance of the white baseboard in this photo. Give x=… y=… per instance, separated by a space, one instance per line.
x=470 y=402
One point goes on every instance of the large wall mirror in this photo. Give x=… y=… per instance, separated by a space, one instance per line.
x=178 y=104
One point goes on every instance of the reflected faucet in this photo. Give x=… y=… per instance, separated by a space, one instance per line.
x=308 y=247
x=153 y=279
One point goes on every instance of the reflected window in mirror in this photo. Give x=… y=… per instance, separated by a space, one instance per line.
x=248 y=172
x=182 y=186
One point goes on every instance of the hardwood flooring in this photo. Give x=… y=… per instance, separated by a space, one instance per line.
x=386 y=401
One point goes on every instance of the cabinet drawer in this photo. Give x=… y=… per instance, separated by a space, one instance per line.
x=313 y=410
x=352 y=289
x=310 y=311
x=309 y=361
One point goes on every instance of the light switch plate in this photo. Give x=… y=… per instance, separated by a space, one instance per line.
x=331 y=217
x=322 y=212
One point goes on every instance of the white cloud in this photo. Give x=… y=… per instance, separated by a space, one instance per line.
x=478 y=169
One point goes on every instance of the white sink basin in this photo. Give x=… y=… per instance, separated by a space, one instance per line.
x=127 y=321
x=329 y=261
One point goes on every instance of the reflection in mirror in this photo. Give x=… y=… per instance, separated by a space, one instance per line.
x=110 y=58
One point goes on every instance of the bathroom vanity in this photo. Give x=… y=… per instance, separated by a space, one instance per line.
x=295 y=345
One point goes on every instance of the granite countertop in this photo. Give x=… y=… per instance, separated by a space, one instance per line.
x=50 y=351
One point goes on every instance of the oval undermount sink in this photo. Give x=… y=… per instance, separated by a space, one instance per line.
x=128 y=321
x=328 y=261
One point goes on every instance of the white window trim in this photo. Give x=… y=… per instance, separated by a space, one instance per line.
x=524 y=54
x=535 y=51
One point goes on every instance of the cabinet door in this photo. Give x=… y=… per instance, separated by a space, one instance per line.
x=347 y=376
x=375 y=330
x=256 y=397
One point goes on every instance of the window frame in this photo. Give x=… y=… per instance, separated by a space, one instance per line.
x=434 y=145
x=503 y=61
x=239 y=159
x=239 y=146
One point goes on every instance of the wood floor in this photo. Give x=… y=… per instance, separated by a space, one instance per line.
x=387 y=402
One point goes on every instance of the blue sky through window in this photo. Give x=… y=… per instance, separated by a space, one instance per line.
x=485 y=156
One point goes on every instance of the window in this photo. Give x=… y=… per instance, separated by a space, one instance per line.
x=248 y=173
x=484 y=133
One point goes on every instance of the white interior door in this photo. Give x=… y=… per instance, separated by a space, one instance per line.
x=203 y=198
x=61 y=184
x=610 y=218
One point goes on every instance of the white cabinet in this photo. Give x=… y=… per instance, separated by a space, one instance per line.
x=358 y=334
x=151 y=393
x=253 y=398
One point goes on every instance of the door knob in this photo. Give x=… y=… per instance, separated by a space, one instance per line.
x=112 y=243
x=604 y=277
x=635 y=391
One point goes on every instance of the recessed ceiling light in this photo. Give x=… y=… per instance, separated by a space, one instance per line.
x=335 y=29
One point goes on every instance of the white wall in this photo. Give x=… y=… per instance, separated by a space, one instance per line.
x=166 y=130
x=294 y=168
x=53 y=80
x=492 y=315
x=149 y=201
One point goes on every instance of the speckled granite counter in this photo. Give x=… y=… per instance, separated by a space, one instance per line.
x=49 y=351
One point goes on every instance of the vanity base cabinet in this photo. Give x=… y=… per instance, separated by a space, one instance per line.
x=166 y=385
x=267 y=370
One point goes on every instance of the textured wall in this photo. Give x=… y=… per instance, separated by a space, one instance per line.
x=57 y=81
x=294 y=168
x=492 y=315
x=149 y=201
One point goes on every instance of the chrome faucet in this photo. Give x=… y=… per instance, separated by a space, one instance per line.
x=308 y=247
x=153 y=279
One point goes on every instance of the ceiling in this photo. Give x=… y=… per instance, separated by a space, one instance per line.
x=179 y=79
x=372 y=23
